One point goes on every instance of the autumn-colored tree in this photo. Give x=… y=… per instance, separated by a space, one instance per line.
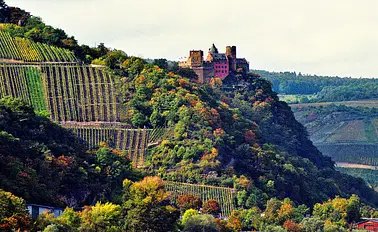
x=188 y=201
x=13 y=214
x=222 y=225
x=292 y=226
x=211 y=207
x=285 y=212
x=215 y=82
x=250 y=137
x=147 y=206
x=339 y=210
x=234 y=221
x=271 y=211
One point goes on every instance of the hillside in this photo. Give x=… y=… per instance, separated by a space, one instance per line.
x=46 y=164
x=241 y=138
x=222 y=135
x=347 y=134
x=345 y=131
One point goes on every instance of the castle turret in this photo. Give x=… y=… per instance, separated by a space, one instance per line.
x=213 y=50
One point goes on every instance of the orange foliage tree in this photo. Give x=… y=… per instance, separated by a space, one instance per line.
x=211 y=207
x=188 y=201
x=13 y=214
x=292 y=226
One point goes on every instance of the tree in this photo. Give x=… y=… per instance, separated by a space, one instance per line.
x=3 y=11
x=234 y=221
x=188 y=201
x=339 y=210
x=70 y=218
x=13 y=214
x=101 y=217
x=353 y=209
x=292 y=226
x=146 y=206
x=271 y=211
x=188 y=214
x=273 y=228
x=251 y=219
x=200 y=223
x=331 y=227
x=211 y=207
x=312 y=224
x=113 y=166
x=161 y=63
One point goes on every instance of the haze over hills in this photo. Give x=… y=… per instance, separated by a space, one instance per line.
x=134 y=145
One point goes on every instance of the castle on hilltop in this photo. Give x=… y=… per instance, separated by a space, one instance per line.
x=216 y=65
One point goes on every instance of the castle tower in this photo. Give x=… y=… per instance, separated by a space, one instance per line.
x=231 y=56
x=196 y=58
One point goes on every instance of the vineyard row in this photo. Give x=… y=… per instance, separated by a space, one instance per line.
x=29 y=51
x=224 y=196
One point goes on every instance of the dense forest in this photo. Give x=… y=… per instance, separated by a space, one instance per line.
x=243 y=139
x=324 y=88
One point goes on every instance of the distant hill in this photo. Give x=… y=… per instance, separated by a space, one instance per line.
x=324 y=88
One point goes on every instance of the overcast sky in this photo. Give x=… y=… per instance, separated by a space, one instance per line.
x=325 y=37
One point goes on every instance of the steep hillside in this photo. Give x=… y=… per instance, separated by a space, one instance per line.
x=217 y=134
x=46 y=164
x=347 y=134
x=241 y=137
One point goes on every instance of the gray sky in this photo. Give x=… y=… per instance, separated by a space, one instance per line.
x=324 y=37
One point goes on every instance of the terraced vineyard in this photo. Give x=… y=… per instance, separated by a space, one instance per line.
x=67 y=92
x=118 y=135
x=351 y=131
x=224 y=196
x=28 y=51
x=79 y=93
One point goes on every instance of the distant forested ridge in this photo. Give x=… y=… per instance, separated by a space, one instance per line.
x=326 y=88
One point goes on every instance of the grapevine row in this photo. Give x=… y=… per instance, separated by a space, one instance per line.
x=29 y=51
x=224 y=196
x=23 y=82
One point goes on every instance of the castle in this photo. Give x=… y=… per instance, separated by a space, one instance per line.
x=216 y=65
